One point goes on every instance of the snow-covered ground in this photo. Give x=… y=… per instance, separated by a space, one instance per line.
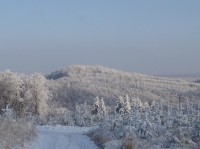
x=62 y=137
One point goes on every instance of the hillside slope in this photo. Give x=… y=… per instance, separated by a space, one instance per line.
x=81 y=83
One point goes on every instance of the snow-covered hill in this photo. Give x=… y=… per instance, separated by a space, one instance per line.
x=79 y=83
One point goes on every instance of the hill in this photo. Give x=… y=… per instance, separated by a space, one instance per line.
x=79 y=84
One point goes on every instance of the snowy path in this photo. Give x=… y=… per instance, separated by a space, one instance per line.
x=60 y=137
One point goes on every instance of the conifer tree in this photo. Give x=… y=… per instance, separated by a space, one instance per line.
x=127 y=108
x=96 y=106
x=103 y=107
x=120 y=105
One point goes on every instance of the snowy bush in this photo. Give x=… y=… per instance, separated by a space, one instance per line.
x=129 y=143
x=15 y=133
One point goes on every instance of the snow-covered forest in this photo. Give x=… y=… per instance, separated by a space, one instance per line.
x=127 y=110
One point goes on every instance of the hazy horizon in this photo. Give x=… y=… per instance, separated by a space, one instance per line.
x=149 y=37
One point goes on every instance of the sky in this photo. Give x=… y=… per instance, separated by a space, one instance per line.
x=151 y=37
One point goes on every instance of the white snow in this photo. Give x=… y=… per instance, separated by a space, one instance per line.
x=62 y=137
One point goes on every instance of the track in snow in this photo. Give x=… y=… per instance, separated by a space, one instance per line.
x=50 y=137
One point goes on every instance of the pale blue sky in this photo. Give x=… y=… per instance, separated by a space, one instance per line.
x=147 y=36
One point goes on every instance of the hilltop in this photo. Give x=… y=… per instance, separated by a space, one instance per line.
x=79 y=83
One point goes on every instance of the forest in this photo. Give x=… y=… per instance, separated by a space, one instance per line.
x=126 y=109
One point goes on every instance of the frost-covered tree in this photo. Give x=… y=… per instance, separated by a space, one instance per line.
x=127 y=108
x=40 y=94
x=139 y=104
x=11 y=88
x=153 y=104
x=120 y=105
x=103 y=107
x=99 y=111
x=82 y=115
x=96 y=106
x=146 y=105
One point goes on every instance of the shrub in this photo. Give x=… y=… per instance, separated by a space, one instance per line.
x=15 y=133
x=128 y=143
x=98 y=139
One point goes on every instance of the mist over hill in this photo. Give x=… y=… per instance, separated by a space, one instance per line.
x=78 y=84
